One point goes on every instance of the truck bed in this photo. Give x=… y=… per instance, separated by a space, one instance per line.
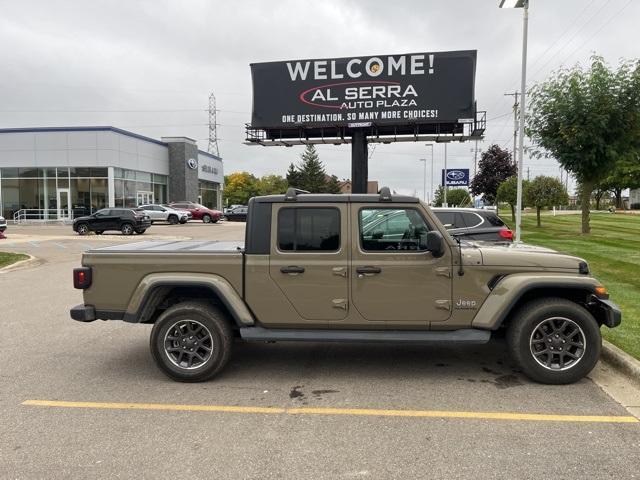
x=118 y=269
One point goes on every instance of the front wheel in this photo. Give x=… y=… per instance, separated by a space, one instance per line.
x=127 y=229
x=173 y=219
x=183 y=221
x=206 y=218
x=554 y=341
x=191 y=341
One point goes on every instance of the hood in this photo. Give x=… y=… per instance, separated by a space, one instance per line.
x=85 y=218
x=529 y=256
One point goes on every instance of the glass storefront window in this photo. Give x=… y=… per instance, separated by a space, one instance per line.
x=10 y=196
x=98 y=172
x=29 y=173
x=143 y=177
x=10 y=173
x=80 y=172
x=98 y=193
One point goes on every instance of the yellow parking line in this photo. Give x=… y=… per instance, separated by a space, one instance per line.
x=538 y=417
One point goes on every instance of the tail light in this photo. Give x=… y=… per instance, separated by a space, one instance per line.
x=82 y=278
x=506 y=234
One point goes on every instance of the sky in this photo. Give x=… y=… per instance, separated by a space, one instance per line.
x=148 y=66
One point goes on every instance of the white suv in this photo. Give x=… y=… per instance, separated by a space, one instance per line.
x=161 y=213
x=3 y=224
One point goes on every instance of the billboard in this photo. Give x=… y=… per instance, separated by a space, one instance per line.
x=382 y=90
x=455 y=177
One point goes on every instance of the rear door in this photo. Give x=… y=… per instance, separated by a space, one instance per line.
x=309 y=260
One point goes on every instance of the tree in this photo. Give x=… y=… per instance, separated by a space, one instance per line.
x=333 y=185
x=543 y=192
x=587 y=118
x=495 y=167
x=626 y=174
x=310 y=174
x=456 y=197
x=240 y=187
x=272 y=185
x=507 y=193
x=294 y=178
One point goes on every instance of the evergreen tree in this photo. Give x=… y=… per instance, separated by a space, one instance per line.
x=333 y=185
x=312 y=173
x=294 y=179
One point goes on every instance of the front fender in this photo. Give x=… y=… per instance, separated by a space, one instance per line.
x=510 y=289
x=219 y=286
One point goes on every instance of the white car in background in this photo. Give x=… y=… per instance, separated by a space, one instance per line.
x=3 y=224
x=162 y=213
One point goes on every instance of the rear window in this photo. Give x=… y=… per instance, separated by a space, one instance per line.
x=309 y=229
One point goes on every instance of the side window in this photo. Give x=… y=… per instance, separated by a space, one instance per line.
x=102 y=213
x=309 y=229
x=494 y=220
x=388 y=229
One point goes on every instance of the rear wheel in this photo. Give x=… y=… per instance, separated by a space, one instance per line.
x=173 y=219
x=126 y=229
x=191 y=341
x=83 y=229
x=206 y=218
x=183 y=220
x=554 y=340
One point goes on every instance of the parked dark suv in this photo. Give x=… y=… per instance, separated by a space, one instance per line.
x=126 y=220
x=474 y=224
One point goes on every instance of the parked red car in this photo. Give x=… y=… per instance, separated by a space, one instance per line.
x=199 y=212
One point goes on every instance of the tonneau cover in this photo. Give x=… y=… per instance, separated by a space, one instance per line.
x=174 y=246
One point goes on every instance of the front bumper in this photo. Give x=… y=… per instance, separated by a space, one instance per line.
x=83 y=313
x=611 y=315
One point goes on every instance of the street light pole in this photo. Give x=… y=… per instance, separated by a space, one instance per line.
x=445 y=204
x=430 y=145
x=424 y=182
x=524 y=4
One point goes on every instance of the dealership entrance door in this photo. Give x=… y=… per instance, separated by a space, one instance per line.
x=64 y=211
x=144 y=198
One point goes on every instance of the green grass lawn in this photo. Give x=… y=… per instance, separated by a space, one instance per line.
x=613 y=252
x=9 y=258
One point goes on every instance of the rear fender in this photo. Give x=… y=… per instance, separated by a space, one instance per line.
x=145 y=298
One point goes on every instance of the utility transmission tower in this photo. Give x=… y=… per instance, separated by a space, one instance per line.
x=213 y=125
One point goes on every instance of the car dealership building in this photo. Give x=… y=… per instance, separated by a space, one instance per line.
x=56 y=173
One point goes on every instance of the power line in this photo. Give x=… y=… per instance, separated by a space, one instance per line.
x=213 y=134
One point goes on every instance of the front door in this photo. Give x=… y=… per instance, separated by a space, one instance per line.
x=64 y=208
x=309 y=259
x=394 y=279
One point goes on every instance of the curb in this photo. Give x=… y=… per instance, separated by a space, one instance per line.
x=621 y=361
x=31 y=261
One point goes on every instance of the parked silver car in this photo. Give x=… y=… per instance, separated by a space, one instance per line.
x=3 y=224
x=162 y=213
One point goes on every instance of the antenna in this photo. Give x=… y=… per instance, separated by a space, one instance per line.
x=213 y=124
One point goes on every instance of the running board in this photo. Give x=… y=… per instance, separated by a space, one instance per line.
x=468 y=335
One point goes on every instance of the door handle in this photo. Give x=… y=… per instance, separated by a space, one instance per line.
x=292 y=269
x=368 y=271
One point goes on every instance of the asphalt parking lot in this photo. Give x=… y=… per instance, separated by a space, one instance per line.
x=86 y=401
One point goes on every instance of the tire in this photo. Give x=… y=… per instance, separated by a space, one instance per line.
x=141 y=231
x=541 y=329
x=191 y=323
x=126 y=229
x=183 y=221
x=206 y=218
x=173 y=219
x=216 y=220
x=83 y=229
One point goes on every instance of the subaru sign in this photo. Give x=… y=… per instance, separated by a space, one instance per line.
x=456 y=177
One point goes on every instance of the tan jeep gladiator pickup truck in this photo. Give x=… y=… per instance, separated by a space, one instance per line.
x=348 y=268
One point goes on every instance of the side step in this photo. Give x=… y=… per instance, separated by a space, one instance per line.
x=468 y=335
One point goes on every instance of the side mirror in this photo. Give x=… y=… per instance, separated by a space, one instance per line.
x=432 y=242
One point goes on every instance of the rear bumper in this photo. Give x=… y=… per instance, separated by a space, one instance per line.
x=83 y=313
x=611 y=314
